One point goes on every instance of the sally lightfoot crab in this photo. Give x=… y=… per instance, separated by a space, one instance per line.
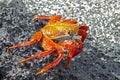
x=57 y=37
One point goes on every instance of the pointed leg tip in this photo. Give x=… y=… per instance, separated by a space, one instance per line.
x=35 y=75
x=39 y=73
x=9 y=49
x=34 y=19
x=18 y=63
x=68 y=66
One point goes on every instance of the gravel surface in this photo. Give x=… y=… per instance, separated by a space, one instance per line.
x=100 y=59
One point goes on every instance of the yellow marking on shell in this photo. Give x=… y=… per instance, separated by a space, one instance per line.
x=59 y=29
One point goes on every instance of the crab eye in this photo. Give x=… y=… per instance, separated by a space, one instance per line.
x=71 y=33
x=68 y=32
x=40 y=23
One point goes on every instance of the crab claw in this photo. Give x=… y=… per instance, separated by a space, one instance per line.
x=82 y=31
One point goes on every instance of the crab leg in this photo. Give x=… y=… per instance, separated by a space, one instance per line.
x=71 y=54
x=79 y=48
x=35 y=38
x=51 y=65
x=52 y=19
x=69 y=21
x=41 y=54
x=74 y=51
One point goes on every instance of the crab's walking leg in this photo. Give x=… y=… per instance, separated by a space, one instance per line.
x=52 y=64
x=71 y=54
x=41 y=54
x=79 y=48
x=35 y=38
x=52 y=19
x=69 y=21
x=74 y=50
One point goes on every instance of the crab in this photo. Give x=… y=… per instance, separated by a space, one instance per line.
x=56 y=37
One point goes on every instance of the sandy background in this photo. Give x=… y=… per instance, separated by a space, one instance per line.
x=100 y=59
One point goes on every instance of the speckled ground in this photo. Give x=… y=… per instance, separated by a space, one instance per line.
x=100 y=59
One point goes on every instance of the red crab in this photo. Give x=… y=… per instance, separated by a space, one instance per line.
x=57 y=37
